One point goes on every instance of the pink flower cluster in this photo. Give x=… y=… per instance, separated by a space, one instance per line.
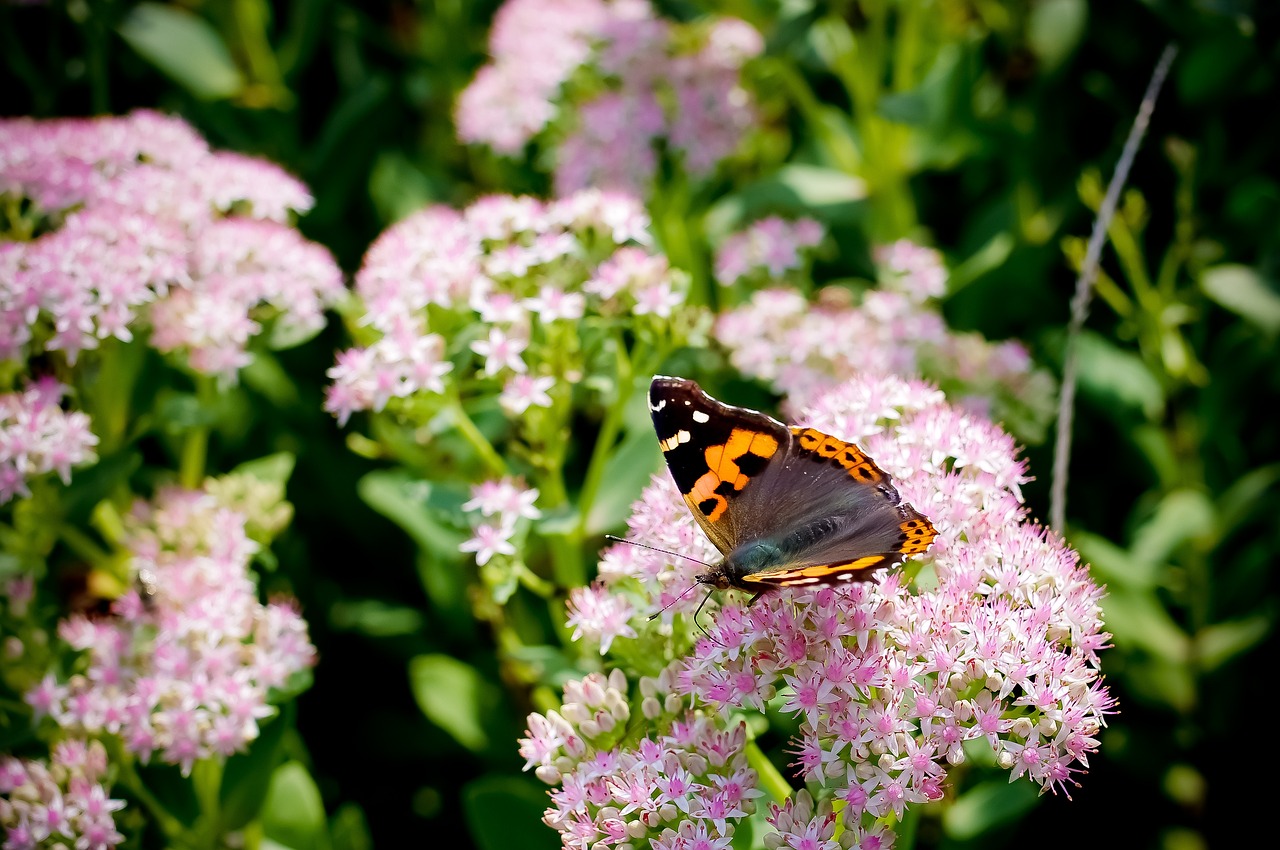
x=767 y=249
x=61 y=804
x=152 y=225
x=682 y=789
x=185 y=666
x=995 y=640
x=37 y=437
x=804 y=349
x=651 y=80
x=496 y=295
x=504 y=502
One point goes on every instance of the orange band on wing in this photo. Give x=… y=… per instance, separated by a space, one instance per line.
x=845 y=455
x=707 y=494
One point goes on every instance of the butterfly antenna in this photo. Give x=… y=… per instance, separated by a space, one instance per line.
x=699 y=625
x=616 y=539
x=687 y=591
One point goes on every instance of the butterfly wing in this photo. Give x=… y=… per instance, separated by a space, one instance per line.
x=786 y=506
x=715 y=452
x=838 y=515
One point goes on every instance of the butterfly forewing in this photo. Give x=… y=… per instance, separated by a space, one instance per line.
x=715 y=452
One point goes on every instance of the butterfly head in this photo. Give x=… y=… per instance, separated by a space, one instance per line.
x=718 y=578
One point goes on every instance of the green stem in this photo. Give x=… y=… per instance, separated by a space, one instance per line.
x=83 y=545
x=535 y=583
x=97 y=31
x=772 y=782
x=908 y=828
x=206 y=778
x=195 y=445
x=492 y=460
x=673 y=221
x=128 y=776
x=609 y=428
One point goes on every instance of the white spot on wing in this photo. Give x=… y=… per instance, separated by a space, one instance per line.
x=700 y=417
x=656 y=407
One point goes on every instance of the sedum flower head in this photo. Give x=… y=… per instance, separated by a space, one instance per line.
x=686 y=786
x=610 y=82
x=136 y=226
x=508 y=297
x=989 y=641
x=184 y=668
x=767 y=249
x=61 y=803
x=806 y=349
x=38 y=437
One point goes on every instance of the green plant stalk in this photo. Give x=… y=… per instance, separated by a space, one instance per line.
x=128 y=776
x=249 y=21
x=772 y=782
x=97 y=35
x=839 y=147
x=671 y=219
x=467 y=428
x=195 y=444
x=84 y=546
x=206 y=778
x=624 y=381
x=908 y=828
x=1124 y=242
x=534 y=583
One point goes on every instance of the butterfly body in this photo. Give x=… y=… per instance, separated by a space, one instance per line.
x=786 y=506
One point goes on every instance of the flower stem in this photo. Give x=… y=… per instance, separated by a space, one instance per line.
x=129 y=778
x=206 y=777
x=84 y=546
x=609 y=427
x=195 y=445
x=772 y=782
x=467 y=428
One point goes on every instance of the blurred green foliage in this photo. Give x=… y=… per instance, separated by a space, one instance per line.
x=986 y=128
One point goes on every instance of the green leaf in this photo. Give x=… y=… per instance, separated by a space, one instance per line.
x=1239 y=501
x=293 y=813
x=266 y=376
x=1223 y=642
x=626 y=473
x=1181 y=516
x=505 y=812
x=1138 y=621
x=1162 y=683
x=1242 y=290
x=1114 y=565
x=815 y=186
x=987 y=258
x=376 y=618
x=454 y=696
x=398 y=187
x=349 y=830
x=281 y=334
x=272 y=469
x=247 y=775
x=184 y=47
x=986 y=806
x=1117 y=379
x=1054 y=29
x=430 y=513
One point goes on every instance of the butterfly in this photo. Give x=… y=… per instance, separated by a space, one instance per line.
x=787 y=506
